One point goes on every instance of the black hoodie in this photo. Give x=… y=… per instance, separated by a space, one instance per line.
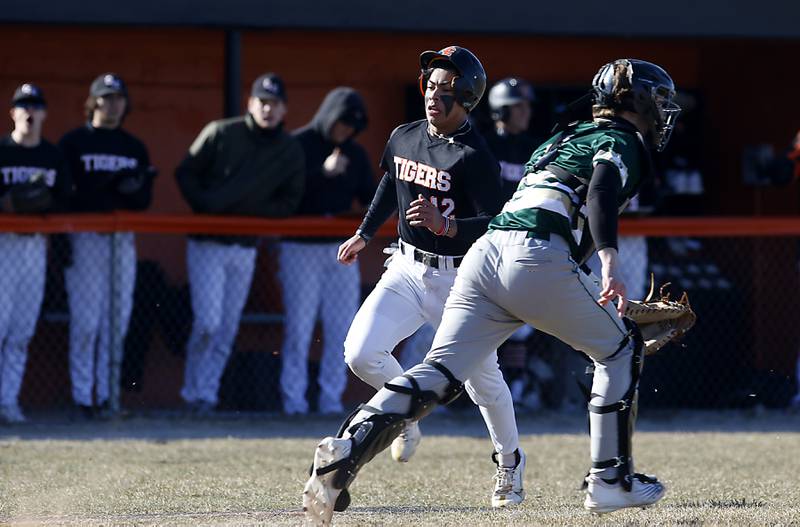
x=324 y=195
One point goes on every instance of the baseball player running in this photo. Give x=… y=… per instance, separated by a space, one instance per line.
x=567 y=203
x=445 y=183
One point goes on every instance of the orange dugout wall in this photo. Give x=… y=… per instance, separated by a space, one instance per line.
x=176 y=79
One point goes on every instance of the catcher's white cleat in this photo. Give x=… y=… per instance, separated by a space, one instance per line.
x=319 y=496
x=404 y=445
x=602 y=497
x=509 y=488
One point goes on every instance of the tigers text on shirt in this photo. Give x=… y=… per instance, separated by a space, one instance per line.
x=421 y=174
x=14 y=174
x=108 y=163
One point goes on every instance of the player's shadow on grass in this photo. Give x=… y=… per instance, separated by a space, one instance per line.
x=736 y=503
x=412 y=509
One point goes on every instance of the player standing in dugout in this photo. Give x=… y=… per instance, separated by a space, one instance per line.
x=314 y=286
x=441 y=176
x=111 y=170
x=510 y=103
x=34 y=179
x=566 y=205
x=240 y=166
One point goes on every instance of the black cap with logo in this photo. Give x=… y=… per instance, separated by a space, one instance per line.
x=108 y=84
x=268 y=86
x=28 y=94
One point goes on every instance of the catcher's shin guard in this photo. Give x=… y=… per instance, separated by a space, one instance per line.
x=625 y=410
x=375 y=433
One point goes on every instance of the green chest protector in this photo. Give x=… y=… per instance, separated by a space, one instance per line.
x=580 y=185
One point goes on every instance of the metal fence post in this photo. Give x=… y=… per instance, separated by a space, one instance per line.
x=233 y=72
x=117 y=336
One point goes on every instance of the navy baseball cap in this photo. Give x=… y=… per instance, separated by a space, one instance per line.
x=107 y=84
x=268 y=86
x=28 y=94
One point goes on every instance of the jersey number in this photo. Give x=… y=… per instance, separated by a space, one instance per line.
x=448 y=204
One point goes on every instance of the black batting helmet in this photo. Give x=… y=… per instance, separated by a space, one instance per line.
x=470 y=83
x=508 y=92
x=641 y=87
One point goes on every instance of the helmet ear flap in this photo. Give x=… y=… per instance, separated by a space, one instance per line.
x=423 y=80
x=464 y=94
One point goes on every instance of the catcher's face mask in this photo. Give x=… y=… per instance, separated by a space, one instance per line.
x=667 y=112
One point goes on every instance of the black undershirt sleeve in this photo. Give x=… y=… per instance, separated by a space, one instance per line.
x=483 y=186
x=383 y=204
x=602 y=203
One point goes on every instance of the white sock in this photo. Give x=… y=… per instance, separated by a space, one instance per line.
x=508 y=460
x=607 y=474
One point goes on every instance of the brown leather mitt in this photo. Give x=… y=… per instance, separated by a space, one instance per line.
x=662 y=320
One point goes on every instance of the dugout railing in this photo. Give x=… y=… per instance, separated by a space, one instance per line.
x=741 y=275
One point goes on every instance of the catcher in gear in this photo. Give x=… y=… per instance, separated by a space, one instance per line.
x=567 y=204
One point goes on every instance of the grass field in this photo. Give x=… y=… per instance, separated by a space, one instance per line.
x=730 y=468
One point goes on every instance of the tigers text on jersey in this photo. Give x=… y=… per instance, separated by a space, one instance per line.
x=97 y=158
x=20 y=164
x=457 y=173
x=542 y=204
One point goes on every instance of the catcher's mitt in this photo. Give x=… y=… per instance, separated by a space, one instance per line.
x=662 y=320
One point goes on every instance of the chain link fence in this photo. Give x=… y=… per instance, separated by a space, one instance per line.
x=82 y=362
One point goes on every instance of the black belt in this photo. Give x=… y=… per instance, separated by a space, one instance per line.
x=430 y=259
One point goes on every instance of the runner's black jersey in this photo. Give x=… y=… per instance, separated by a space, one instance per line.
x=458 y=173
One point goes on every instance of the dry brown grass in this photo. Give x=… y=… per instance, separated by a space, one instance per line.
x=714 y=473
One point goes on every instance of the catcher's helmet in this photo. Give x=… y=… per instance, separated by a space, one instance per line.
x=642 y=87
x=508 y=92
x=470 y=83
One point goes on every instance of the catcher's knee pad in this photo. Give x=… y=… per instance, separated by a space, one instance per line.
x=423 y=402
x=624 y=410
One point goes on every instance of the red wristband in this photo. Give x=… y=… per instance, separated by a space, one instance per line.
x=445 y=226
